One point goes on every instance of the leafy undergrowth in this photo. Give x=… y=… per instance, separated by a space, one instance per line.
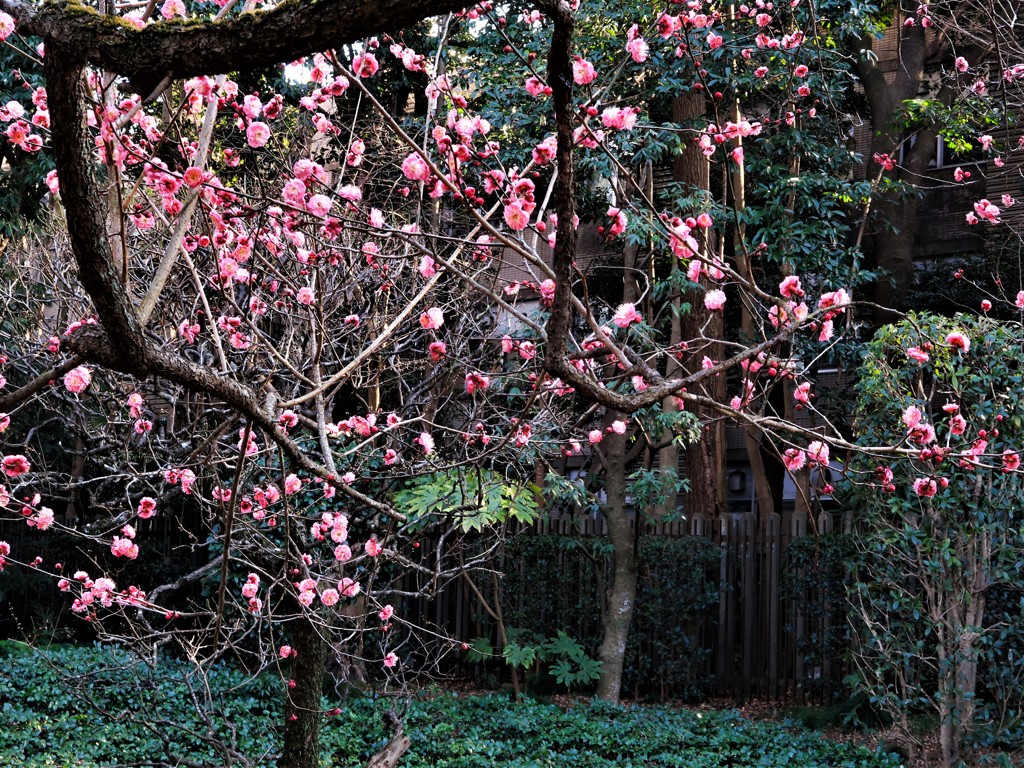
x=95 y=707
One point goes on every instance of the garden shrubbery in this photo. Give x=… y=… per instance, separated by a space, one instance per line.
x=93 y=706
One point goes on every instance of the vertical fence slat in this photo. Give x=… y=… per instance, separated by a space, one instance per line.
x=773 y=557
x=748 y=533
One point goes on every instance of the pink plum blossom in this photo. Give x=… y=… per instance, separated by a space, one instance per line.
x=912 y=416
x=43 y=519
x=636 y=46
x=536 y=87
x=516 y=216
x=319 y=205
x=925 y=487
x=426 y=442
x=146 y=508
x=365 y=65
x=172 y=9
x=714 y=300
x=818 y=453
x=257 y=134
x=794 y=459
x=476 y=380
x=917 y=355
x=123 y=547
x=622 y=119
x=77 y=379
x=960 y=341
x=626 y=314
x=1011 y=461
x=790 y=287
x=193 y=177
x=6 y=25
x=415 y=168
x=583 y=72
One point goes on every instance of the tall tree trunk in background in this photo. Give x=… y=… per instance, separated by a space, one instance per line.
x=304 y=712
x=704 y=461
x=621 y=596
x=895 y=230
x=767 y=476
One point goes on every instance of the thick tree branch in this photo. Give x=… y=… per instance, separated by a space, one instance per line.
x=185 y=48
x=83 y=203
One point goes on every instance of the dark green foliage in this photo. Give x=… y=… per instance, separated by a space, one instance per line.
x=815 y=580
x=47 y=724
x=99 y=705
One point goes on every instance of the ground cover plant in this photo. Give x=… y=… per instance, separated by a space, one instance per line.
x=99 y=706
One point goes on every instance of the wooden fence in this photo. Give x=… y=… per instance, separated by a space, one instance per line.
x=775 y=632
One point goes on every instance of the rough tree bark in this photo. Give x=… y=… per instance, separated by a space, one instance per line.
x=304 y=712
x=704 y=460
x=621 y=596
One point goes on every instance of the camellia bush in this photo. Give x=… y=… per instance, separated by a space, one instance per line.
x=940 y=526
x=311 y=321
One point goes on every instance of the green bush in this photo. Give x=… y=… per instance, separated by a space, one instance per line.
x=97 y=706
x=936 y=584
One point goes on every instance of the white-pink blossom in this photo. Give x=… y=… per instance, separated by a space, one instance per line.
x=78 y=379
x=432 y=318
x=714 y=300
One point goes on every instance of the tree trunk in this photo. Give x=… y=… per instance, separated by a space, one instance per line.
x=304 y=712
x=703 y=461
x=621 y=597
x=892 y=242
x=893 y=246
x=949 y=737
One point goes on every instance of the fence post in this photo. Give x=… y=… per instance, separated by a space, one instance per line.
x=826 y=524
x=747 y=525
x=797 y=530
x=725 y=661
x=772 y=539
